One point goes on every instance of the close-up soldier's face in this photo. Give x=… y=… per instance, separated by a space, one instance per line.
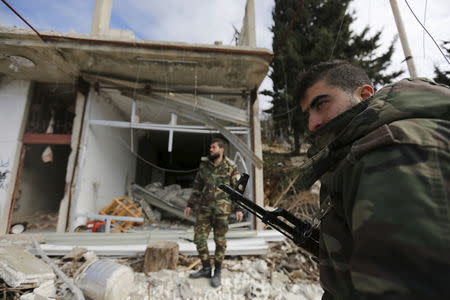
x=324 y=102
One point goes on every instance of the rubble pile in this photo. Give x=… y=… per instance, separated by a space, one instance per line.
x=245 y=279
x=286 y=257
x=285 y=273
x=172 y=194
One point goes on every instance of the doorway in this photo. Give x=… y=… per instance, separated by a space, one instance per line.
x=41 y=180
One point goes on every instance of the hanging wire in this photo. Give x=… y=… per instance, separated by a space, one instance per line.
x=54 y=48
x=23 y=19
x=429 y=34
x=152 y=164
x=339 y=32
x=423 y=31
x=286 y=112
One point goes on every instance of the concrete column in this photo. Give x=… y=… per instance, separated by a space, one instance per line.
x=248 y=32
x=101 y=18
x=71 y=164
x=258 y=180
x=14 y=102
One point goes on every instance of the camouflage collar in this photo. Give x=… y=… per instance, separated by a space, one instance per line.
x=224 y=161
x=329 y=135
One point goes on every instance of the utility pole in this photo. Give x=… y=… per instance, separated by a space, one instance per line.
x=403 y=39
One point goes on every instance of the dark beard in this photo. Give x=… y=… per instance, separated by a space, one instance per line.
x=213 y=157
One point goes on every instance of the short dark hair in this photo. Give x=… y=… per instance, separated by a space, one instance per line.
x=219 y=141
x=338 y=73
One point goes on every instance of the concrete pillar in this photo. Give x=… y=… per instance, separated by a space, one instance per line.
x=64 y=206
x=248 y=33
x=101 y=18
x=14 y=101
x=258 y=180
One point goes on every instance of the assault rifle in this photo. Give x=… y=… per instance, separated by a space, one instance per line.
x=302 y=233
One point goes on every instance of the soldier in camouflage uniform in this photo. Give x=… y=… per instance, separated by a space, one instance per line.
x=213 y=207
x=384 y=163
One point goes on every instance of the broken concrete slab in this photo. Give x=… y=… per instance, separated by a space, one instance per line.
x=19 y=267
x=141 y=193
x=46 y=291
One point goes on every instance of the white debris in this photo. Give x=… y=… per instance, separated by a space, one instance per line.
x=19 y=267
x=279 y=279
x=46 y=290
x=261 y=266
x=246 y=279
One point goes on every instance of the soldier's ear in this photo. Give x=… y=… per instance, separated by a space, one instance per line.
x=366 y=91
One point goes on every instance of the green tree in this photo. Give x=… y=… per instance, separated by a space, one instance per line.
x=443 y=76
x=305 y=33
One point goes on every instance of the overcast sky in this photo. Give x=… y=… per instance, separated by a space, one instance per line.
x=206 y=21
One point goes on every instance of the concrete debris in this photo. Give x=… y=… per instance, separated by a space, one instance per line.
x=261 y=267
x=248 y=283
x=289 y=259
x=166 y=200
x=76 y=254
x=76 y=261
x=19 y=267
x=278 y=278
x=172 y=194
x=273 y=276
x=152 y=214
x=46 y=290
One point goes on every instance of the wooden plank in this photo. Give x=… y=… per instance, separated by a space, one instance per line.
x=46 y=139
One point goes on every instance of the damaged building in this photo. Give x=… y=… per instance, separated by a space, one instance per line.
x=85 y=117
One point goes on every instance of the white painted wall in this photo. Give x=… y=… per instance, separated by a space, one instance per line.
x=107 y=166
x=14 y=96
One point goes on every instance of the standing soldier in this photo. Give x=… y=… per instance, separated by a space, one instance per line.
x=213 y=207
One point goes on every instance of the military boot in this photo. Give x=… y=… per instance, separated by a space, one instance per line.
x=215 y=280
x=205 y=271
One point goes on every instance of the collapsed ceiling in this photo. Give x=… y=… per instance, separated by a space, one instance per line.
x=188 y=68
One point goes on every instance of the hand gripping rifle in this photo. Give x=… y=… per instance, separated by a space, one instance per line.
x=302 y=233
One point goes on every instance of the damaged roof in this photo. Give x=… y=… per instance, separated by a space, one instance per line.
x=55 y=57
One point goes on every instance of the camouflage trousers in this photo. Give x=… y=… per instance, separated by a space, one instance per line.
x=213 y=216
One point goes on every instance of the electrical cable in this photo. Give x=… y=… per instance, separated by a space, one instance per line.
x=339 y=33
x=286 y=112
x=71 y=70
x=423 y=32
x=152 y=164
x=429 y=34
x=22 y=18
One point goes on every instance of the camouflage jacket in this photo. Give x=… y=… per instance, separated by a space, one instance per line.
x=385 y=172
x=209 y=177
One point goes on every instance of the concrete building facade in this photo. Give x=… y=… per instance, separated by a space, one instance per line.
x=83 y=117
